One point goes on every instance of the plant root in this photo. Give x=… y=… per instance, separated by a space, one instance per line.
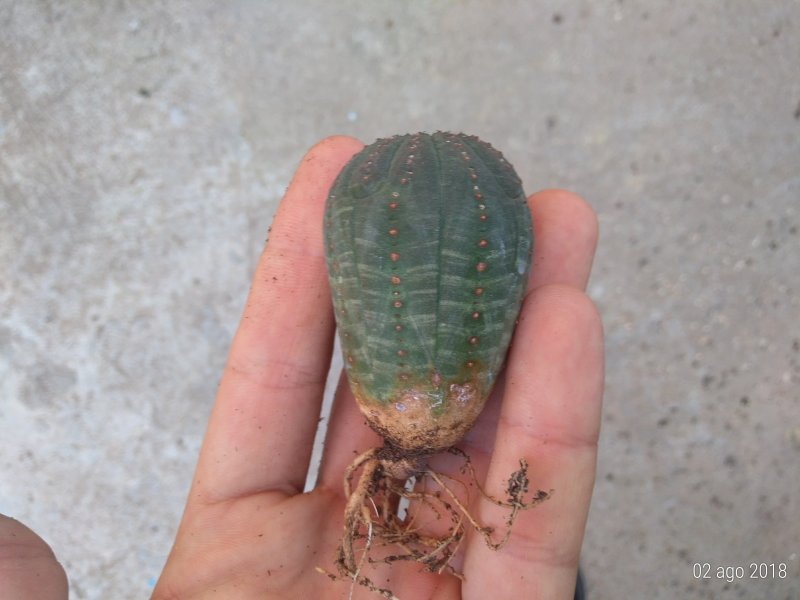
x=516 y=489
x=372 y=519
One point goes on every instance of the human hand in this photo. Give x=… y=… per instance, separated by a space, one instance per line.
x=28 y=568
x=249 y=531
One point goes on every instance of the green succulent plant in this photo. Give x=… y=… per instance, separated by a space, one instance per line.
x=429 y=242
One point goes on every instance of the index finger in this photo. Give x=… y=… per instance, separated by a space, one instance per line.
x=262 y=427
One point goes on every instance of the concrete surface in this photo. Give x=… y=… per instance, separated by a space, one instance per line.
x=144 y=147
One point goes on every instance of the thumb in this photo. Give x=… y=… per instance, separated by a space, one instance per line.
x=28 y=567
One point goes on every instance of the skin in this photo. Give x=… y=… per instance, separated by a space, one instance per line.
x=28 y=568
x=248 y=531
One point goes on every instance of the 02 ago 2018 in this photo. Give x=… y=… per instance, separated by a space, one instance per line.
x=732 y=573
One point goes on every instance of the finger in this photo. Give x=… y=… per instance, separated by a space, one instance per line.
x=550 y=416
x=564 y=239
x=262 y=427
x=28 y=567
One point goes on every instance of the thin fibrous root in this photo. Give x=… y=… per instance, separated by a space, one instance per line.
x=517 y=487
x=517 y=484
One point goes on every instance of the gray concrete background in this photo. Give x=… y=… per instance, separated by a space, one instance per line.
x=144 y=147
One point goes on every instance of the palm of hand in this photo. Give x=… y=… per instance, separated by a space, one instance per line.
x=248 y=532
